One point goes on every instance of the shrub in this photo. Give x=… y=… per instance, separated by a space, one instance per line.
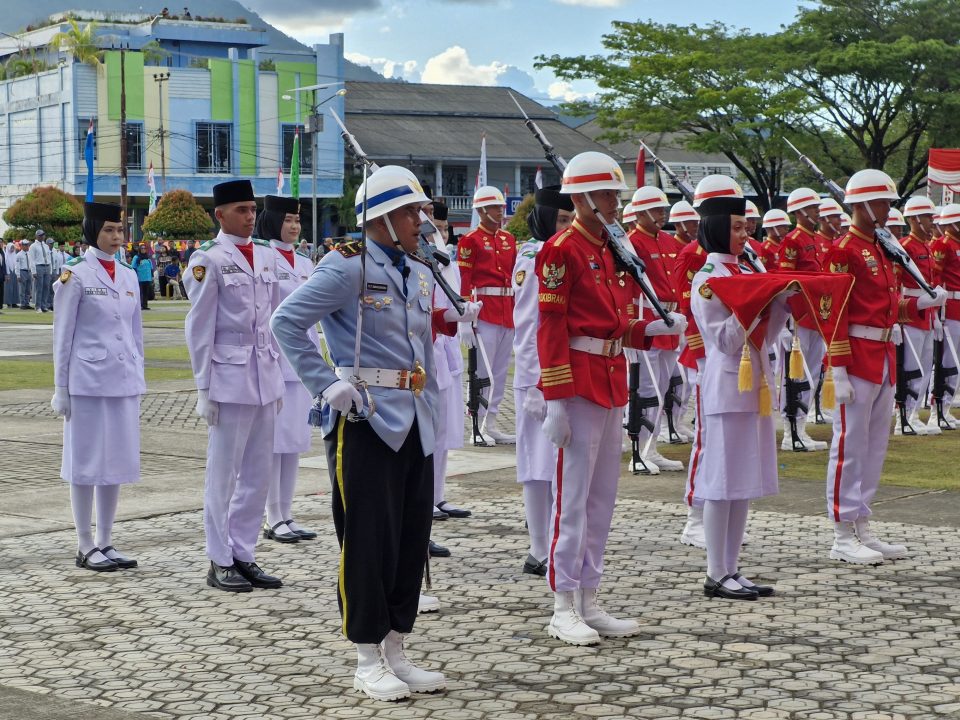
x=178 y=216
x=56 y=212
x=518 y=223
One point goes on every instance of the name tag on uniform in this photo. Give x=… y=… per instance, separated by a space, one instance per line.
x=95 y=291
x=230 y=269
x=283 y=275
x=377 y=287
x=654 y=256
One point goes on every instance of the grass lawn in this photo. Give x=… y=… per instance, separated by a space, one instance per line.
x=152 y=318
x=177 y=353
x=24 y=374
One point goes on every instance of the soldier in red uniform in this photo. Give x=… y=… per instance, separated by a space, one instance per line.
x=864 y=371
x=753 y=220
x=585 y=321
x=776 y=225
x=486 y=256
x=828 y=227
x=946 y=258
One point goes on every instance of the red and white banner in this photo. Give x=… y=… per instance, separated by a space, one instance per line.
x=944 y=168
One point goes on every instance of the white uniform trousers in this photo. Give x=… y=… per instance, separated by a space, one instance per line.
x=921 y=342
x=440 y=451
x=685 y=391
x=695 y=466
x=662 y=363
x=585 y=492
x=239 y=467
x=951 y=328
x=498 y=344
x=861 y=431
x=813 y=349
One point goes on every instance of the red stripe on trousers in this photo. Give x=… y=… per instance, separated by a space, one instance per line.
x=696 y=456
x=839 y=473
x=556 y=519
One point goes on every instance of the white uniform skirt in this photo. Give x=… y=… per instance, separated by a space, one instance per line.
x=536 y=455
x=454 y=413
x=291 y=432
x=101 y=441
x=739 y=457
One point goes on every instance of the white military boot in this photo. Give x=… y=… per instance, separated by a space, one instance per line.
x=815 y=445
x=597 y=618
x=693 y=531
x=889 y=552
x=566 y=623
x=933 y=426
x=847 y=546
x=428 y=604
x=374 y=676
x=916 y=424
x=418 y=680
x=664 y=464
x=491 y=430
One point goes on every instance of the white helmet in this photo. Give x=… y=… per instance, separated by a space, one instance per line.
x=830 y=207
x=801 y=198
x=950 y=214
x=713 y=186
x=387 y=190
x=844 y=220
x=683 y=212
x=591 y=171
x=869 y=184
x=895 y=218
x=486 y=196
x=753 y=213
x=629 y=213
x=919 y=205
x=648 y=198
x=775 y=218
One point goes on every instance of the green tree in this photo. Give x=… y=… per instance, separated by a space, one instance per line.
x=48 y=208
x=153 y=53
x=178 y=216
x=23 y=66
x=343 y=205
x=518 y=223
x=81 y=42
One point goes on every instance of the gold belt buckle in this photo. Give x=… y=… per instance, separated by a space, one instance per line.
x=611 y=347
x=418 y=378
x=887 y=333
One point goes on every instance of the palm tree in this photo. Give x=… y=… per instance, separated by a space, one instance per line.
x=79 y=42
x=153 y=53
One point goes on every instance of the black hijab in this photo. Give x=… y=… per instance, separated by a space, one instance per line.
x=542 y=220
x=714 y=232
x=95 y=216
x=275 y=210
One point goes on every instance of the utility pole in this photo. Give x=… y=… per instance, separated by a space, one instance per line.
x=123 y=146
x=316 y=126
x=160 y=79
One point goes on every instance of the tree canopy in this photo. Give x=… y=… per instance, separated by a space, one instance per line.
x=178 y=216
x=48 y=208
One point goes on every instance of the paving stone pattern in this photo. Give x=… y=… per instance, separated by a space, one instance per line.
x=837 y=641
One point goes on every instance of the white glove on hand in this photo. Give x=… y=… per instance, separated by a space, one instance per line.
x=937 y=328
x=207 y=409
x=785 y=338
x=534 y=404
x=60 y=402
x=659 y=327
x=342 y=396
x=896 y=334
x=556 y=424
x=471 y=311
x=842 y=389
x=925 y=301
x=467 y=337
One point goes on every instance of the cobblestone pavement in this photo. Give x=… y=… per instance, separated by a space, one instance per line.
x=837 y=641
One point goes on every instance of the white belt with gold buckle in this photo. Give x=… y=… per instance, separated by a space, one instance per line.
x=597 y=346
x=499 y=291
x=868 y=332
x=414 y=380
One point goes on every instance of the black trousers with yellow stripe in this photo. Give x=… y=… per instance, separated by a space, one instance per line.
x=382 y=511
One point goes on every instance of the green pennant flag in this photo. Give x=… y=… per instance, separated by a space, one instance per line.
x=295 y=166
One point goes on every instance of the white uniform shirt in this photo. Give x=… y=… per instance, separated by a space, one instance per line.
x=23 y=261
x=526 y=316
x=38 y=254
x=289 y=279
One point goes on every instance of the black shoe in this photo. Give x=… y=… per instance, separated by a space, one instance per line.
x=257 y=577
x=227 y=578
x=715 y=588
x=439 y=514
x=83 y=561
x=532 y=566
x=438 y=550
x=280 y=537
x=302 y=533
x=122 y=563
x=761 y=590
x=452 y=510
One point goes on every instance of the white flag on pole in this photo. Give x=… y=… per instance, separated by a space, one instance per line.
x=152 y=184
x=538 y=179
x=481 y=177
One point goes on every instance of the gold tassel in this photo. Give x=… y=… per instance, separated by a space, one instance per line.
x=745 y=375
x=765 y=404
x=828 y=397
x=796 y=359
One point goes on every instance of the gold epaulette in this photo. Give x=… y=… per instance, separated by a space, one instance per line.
x=349 y=249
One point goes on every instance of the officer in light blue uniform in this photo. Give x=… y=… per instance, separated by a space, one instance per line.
x=381 y=467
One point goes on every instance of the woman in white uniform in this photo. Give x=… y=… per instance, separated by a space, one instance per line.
x=739 y=455
x=280 y=224
x=98 y=378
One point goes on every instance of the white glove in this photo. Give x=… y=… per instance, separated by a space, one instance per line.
x=925 y=301
x=467 y=337
x=896 y=334
x=207 y=409
x=659 y=327
x=842 y=388
x=471 y=311
x=342 y=396
x=534 y=404
x=556 y=424
x=785 y=338
x=60 y=402
x=937 y=328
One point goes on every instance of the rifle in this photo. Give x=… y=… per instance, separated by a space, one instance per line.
x=885 y=239
x=475 y=398
x=637 y=419
x=903 y=390
x=818 y=417
x=625 y=259
x=670 y=400
x=793 y=407
x=940 y=385
x=687 y=191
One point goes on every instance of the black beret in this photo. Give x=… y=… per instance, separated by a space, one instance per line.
x=278 y=204
x=104 y=212
x=440 y=211
x=232 y=191
x=722 y=206
x=550 y=197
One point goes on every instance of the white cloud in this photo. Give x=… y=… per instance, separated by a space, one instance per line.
x=453 y=67
x=562 y=90
x=593 y=3
x=385 y=29
x=406 y=69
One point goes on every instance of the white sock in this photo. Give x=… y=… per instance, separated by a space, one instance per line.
x=716 y=517
x=737 y=523
x=81 y=500
x=538 y=505
x=107 y=497
x=439 y=475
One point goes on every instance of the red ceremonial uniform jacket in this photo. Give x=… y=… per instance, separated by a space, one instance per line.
x=874 y=301
x=798 y=251
x=946 y=259
x=659 y=254
x=922 y=255
x=583 y=294
x=768 y=254
x=823 y=247
x=486 y=260
x=689 y=261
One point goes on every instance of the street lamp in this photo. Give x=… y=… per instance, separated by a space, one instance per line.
x=315 y=127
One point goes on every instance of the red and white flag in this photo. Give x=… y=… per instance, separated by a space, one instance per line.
x=641 y=168
x=481 y=177
x=538 y=179
x=280 y=181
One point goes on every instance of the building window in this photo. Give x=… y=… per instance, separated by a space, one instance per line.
x=213 y=148
x=306 y=157
x=454 y=180
x=134 y=146
x=83 y=124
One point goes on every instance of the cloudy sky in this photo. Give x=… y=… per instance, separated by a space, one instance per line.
x=493 y=42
